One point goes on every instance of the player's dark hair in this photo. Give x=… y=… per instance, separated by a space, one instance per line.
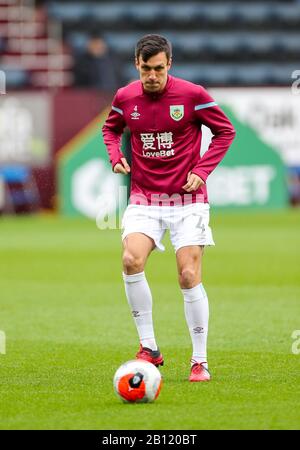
x=152 y=44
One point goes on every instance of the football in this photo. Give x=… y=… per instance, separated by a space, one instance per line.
x=137 y=381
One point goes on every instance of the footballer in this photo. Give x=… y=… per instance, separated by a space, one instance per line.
x=168 y=188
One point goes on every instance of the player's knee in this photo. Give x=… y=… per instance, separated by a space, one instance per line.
x=132 y=263
x=187 y=277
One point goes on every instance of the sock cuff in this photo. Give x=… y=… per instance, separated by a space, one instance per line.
x=194 y=294
x=134 y=278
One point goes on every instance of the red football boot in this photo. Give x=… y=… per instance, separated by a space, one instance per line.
x=199 y=373
x=153 y=356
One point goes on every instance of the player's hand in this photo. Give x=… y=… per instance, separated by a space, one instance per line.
x=122 y=168
x=193 y=182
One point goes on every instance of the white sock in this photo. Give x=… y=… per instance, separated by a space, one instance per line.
x=197 y=315
x=140 y=301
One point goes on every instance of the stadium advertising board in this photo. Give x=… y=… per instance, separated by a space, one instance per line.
x=87 y=185
x=272 y=113
x=253 y=172
x=25 y=151
x=24 y=129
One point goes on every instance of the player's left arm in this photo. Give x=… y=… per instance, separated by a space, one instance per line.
x=210 y=114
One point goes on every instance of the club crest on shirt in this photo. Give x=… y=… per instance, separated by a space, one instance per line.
x=177 y=112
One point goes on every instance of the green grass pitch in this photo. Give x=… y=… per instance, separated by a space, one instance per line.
x=68 y=327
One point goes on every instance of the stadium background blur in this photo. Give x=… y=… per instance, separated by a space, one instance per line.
x=245 y=53
x=61 y=278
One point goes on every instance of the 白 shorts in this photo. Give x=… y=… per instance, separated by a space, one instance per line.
x=188 y=224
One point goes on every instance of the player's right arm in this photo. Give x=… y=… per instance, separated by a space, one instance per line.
x=112 y=131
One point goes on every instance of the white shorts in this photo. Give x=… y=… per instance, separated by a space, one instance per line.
x=188 y=224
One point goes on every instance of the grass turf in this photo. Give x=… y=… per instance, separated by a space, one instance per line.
x=68 y=327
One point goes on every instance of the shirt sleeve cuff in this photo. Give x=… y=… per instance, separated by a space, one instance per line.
x=117 y=160
x=201 y=173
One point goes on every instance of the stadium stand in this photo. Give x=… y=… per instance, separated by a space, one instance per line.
x=32 y=50
x=241 y=43
x=220 y=43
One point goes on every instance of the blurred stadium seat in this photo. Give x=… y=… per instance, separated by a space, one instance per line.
x=65 y=12
x=15 y=78
x=287 y=15
x=19 y=188
x=77 y=41
x=255 y=14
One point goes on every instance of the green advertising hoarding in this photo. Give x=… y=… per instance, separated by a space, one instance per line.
x=87 y=186
x=252 y=174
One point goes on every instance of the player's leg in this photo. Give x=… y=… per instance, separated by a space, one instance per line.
x=136 y=250
x=189 y=264
x=190 y=232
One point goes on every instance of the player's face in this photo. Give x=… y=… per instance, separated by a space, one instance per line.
x=154 y=72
